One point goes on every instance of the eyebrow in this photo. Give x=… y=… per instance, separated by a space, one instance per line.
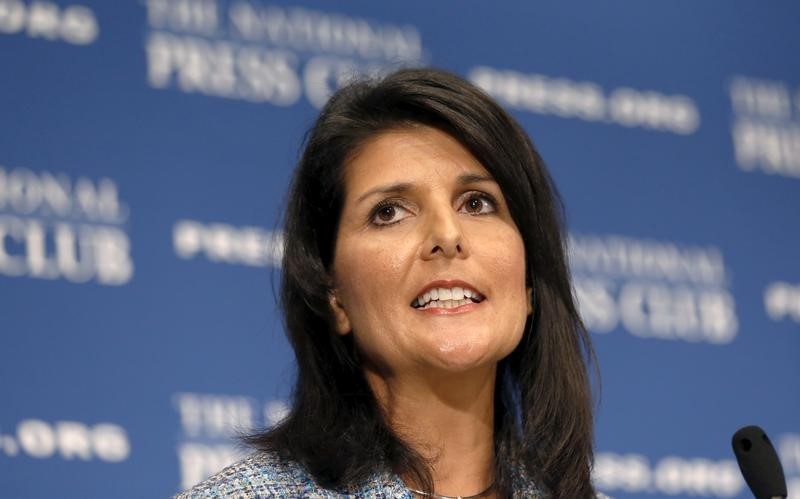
x=403 y=187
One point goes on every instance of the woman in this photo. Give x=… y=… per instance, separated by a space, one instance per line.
x=427 y=298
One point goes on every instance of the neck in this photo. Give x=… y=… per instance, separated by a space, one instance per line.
x=449 y=420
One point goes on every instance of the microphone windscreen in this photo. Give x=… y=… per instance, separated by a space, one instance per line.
x=759 y=463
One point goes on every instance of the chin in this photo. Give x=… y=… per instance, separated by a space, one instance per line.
x=463 y=355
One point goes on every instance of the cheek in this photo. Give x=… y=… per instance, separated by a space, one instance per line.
x=367 y=280
x=506 y=266
x=506 y=263
x=363 y=270
x=367 y=275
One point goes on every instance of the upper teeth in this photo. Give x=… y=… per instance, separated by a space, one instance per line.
x=455 y=294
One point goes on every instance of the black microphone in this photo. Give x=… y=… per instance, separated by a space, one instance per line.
x=759 y=463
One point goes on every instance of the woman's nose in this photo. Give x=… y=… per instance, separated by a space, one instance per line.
x=445 y=235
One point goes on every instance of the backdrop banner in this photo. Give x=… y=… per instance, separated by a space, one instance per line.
x=145 y=152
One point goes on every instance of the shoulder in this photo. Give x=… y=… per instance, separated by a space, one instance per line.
x=524 y=486
x=259 y=475
x=265 y=474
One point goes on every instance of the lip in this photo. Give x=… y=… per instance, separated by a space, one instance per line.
x=450 y=311
x=450 y=283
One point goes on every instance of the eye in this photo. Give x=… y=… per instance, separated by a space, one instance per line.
x=479 y=203
x=388 y=213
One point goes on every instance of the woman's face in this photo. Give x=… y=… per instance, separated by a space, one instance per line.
x=429 y=266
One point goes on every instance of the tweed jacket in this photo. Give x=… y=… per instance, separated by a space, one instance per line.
x=265 y=474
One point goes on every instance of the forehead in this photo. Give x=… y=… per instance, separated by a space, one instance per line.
x=417 y=154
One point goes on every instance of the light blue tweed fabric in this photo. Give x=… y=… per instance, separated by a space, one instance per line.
x=267 y=475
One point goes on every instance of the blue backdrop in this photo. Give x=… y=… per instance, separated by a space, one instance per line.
x=145 y=148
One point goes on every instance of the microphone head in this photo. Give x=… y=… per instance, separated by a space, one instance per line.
x=759 y=463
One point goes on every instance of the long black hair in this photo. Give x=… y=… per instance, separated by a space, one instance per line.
x=543 y=400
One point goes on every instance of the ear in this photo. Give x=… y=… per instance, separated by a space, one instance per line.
x=339 y=314
x=530 y=300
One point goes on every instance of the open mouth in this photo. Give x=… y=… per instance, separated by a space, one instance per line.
x=446 y=298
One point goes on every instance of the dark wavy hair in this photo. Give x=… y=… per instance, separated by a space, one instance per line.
x=543 y=400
